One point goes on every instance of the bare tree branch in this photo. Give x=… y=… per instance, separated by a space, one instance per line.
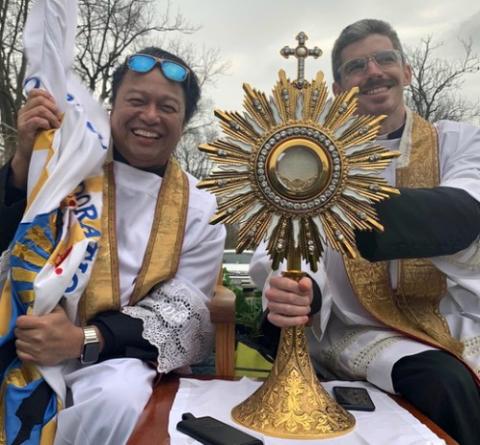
x=200 y=130
x=12 y=70
x=206 y=63
x=435 y=92
x=108 y=30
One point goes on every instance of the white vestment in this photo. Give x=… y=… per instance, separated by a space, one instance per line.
x=109 y=396
x=344 y=338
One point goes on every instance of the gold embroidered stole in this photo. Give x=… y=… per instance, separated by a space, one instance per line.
x=163 y=250
x=413 y=308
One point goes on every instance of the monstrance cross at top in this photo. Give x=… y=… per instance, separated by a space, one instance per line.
x=298 y=171
x=301 y=52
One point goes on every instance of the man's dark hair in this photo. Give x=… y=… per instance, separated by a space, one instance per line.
x=190 y=86
x=358 y=31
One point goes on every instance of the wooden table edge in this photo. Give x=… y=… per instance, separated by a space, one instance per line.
x=163 y=401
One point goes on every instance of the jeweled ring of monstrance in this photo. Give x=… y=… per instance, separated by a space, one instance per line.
x=299 y=171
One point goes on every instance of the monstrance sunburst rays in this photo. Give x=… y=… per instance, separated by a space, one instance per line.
x=299 y=170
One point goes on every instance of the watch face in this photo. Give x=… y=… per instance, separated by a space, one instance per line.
x=90 y=353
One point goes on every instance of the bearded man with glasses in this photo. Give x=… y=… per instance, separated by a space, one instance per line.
x=408 y=319
x=158 y=249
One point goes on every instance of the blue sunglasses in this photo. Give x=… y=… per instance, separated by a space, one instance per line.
x=143 y=63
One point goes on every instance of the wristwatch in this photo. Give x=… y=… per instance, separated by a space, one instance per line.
x=91 y=346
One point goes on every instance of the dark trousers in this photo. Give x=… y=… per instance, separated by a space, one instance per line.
x=442 y=388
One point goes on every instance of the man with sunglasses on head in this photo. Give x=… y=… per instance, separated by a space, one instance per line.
x=162 y=255
x=408 y=319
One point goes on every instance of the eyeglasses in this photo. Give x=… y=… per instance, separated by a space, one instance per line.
x=383 y=59
x=143 y=63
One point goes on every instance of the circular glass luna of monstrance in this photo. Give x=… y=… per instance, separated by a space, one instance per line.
x=298 y=169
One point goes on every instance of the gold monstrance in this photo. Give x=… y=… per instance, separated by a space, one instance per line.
x=299 y=171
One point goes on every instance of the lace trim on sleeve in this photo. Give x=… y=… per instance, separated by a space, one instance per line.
x=175 y=321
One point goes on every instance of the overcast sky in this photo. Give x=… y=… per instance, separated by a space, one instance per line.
x=250 y=33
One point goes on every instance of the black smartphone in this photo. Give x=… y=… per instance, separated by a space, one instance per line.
x=353 y=398
x=210 y=431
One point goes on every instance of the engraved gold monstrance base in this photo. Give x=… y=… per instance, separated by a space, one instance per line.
x=291 y=403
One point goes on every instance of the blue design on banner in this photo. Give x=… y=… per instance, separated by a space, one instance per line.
x=30 y=83
x=38 y=237
x=18 y=262
x=23 y=285
x=14 y=396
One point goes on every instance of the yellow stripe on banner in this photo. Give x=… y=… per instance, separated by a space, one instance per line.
x=25 y=254
x=37 y=235
x=20 y=274
x=5 y=308
x=47 y=436
x=42 y=142
x=27 y=296
x=23 y=375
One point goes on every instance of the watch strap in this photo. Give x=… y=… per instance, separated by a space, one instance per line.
x=91 y=346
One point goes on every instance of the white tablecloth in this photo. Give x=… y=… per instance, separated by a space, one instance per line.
x=389 y=424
